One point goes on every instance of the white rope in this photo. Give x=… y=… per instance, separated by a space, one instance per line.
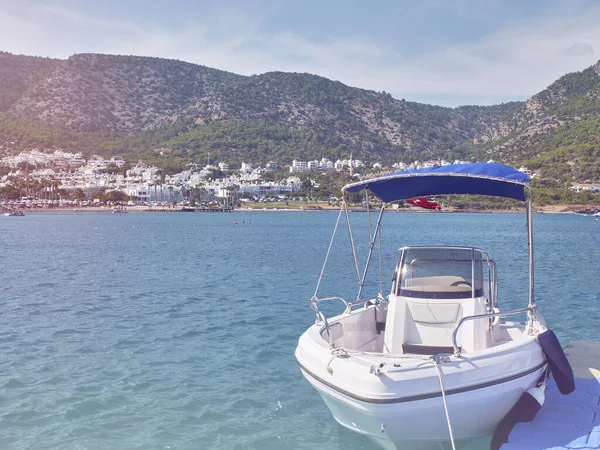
x=327 y=255
x=336 y=353
x=439 y=372
x=341 y=352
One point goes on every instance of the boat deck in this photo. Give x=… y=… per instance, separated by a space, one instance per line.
x=567 y=421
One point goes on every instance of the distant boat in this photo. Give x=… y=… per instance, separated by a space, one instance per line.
x=422 y=202
x=120 y=210
x=588 y=212
x=14 y=213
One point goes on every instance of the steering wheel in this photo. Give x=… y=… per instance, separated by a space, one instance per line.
x=458 y=283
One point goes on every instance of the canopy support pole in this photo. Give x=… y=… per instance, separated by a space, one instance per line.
x=531 y=306
x=530 y=240
x=380 y=266
x=351 y=239
x=371 y=246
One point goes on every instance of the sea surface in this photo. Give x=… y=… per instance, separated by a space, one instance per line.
x=177 y=331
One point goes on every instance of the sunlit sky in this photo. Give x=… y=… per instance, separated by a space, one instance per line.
x=444 y=52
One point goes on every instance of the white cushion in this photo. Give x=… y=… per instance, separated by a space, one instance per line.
x=433 y=312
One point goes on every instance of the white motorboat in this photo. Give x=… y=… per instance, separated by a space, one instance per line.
x=435 y=360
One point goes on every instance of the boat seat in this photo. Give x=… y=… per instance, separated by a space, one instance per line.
x=419 y=325
x=433 y=312
x=430 y=322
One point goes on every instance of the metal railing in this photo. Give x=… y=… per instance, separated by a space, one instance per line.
x=315 y=301
x=484 y=316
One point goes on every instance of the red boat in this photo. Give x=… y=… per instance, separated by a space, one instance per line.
x=422 y=202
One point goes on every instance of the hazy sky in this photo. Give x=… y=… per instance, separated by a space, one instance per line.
x=445 y=52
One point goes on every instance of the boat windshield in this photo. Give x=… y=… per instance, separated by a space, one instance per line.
x=440 y=272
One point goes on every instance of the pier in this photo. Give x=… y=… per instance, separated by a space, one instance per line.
x=566 y=421
x=192 y=209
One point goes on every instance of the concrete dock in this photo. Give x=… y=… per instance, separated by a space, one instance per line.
x=566 y=421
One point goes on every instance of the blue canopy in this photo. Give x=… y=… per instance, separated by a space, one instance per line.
x=477 y=179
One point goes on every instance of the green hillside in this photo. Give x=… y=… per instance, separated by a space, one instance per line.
x=171 y=112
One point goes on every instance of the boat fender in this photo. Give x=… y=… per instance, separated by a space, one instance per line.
x=523 y=411
x=557 y=361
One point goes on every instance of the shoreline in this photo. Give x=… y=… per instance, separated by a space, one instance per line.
x=546 y=209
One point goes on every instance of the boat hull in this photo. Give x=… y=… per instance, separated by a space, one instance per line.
x=398 y=402
x=473 y=413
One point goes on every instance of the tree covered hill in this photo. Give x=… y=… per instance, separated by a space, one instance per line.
x=165 y=109
x=18 y=74
x=136 y=102
x=556 y=132
x=119 y=94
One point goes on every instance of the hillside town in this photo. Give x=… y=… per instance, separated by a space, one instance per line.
x=69 y=178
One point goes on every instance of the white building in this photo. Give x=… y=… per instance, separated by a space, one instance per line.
x=137 y=171
x=154 y=194
x=430 y=163
x=43 y=173
x=325 y=165
x=589 y=187
x=340 y=165
x=96 y=162
x=312 y=165
x=37 y=158
x=66 y=159
x=345 y=164
x=179 y=178
x=298 y=166
x=223 y=166
x=117 y=161
x=526 y=171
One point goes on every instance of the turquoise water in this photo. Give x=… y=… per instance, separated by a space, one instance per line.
x=177 y=331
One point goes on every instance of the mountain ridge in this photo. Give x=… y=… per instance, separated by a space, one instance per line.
x=138 y=105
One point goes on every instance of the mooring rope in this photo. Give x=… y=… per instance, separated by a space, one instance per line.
x=340 y=352
x=439 y=372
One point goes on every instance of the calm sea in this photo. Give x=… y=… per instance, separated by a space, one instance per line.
x=177 y=331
